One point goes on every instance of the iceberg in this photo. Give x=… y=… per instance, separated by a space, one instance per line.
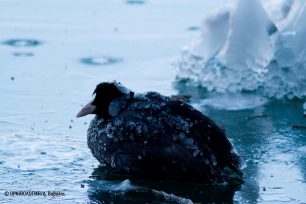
x=278 y=10
x=214 y=34
x=290 y=46
x=250 y=46
x=287 y=76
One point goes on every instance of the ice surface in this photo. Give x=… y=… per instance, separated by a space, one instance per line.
x=234 y=101
x=124 y=185
x=302 y=149
x=256 y=46
x=172 y=197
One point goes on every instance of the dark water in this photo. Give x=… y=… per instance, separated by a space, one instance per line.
x=43 y=84
x=274 y=152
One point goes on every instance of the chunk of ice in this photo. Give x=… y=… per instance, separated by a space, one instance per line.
x=124 y=185
x=248 y=46
x=241 y=50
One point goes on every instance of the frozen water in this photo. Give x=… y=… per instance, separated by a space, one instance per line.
x=172 y=198
x=248 y=46
x=287 y=77
x=234 y=101
x=256 y=46
x=214 y=33
x=278 y=10
x=40 y=94
x=234 y=47
x=123 y=186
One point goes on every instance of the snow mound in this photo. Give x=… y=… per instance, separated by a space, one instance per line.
x=250 y=46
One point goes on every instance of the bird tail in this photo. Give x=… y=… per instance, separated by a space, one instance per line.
x=232 y=168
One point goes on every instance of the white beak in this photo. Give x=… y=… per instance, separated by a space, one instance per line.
x=88 y=109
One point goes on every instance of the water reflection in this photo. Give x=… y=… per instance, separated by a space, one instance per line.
x=282 y=168
x=101 y=190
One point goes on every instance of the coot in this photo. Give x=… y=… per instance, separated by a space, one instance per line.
x=155 y=136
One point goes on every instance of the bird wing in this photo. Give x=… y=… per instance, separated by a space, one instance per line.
x=162 y=135
x=143 y=139
x=208 y=136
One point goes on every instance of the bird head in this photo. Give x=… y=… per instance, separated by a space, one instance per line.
x=105 y=94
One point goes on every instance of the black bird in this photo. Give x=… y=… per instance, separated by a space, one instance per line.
x=151 y=135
